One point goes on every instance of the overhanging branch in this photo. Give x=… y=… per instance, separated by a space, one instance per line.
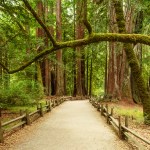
x=40 y=22
x=94 y=38
x=85 y=20
x=88 y=26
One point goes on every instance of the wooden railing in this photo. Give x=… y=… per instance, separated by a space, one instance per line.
x=27 y=118
x=123 y=131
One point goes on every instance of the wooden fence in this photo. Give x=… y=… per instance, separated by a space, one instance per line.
x=123 y=131
x=27 y=118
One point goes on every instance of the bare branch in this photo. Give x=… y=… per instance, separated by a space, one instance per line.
x=94 y=38
x=40 y=22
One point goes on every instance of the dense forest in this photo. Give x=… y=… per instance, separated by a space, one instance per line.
x=75 y=47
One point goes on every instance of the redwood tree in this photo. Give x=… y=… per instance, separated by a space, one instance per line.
x=59 y=69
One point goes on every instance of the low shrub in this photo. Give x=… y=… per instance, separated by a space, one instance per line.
x=21 y=93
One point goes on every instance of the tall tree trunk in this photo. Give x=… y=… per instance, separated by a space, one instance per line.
x=39 y=34
x=79 y=50
x=59 y=70
x=106 y=70
x=118 y=83
x=87 y=73
x=84 y=91
x=46 y=61
x=91 y=75
x=112 y=88
x=138 y=51
x=74 y=54
x=134 y=64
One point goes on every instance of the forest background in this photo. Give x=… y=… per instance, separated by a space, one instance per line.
x=28 y=30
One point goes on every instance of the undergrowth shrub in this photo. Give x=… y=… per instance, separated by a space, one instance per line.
x=21 y=93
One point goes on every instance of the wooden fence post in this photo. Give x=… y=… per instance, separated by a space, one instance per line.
x=97 y=106
x=21 y=112
x=107 y=113
x=102 y=109
x=28 y=122
x=58 y=102
x=119 y=121
x=121 y=135
x=53 y=103
x=1 y=132
x=112 y=111
x=126 y=121
x=0 y=112
x=49 y=106
x=126 y=125
x=41 y=110
x=37 y=106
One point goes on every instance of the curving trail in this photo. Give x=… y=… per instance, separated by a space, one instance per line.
x=74 y=125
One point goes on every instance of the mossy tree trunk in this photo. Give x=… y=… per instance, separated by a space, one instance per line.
x=138 y=51
x=134 y=64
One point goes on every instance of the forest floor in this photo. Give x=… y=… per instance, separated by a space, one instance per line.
x=135 y=114
x=74 y=125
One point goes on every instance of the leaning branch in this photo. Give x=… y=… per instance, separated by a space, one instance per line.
x=88 y=26
x=94 y=38
x=38 y=56
x=40 y=22
x=85 y=21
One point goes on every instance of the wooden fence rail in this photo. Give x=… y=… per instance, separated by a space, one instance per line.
x=123 y=131
x=27 y=118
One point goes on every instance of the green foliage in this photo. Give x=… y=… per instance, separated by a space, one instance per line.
x=21 y=93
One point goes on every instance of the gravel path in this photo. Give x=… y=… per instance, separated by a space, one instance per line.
x=74 y=125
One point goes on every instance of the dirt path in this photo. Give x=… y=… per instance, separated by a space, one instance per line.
x=75 y=125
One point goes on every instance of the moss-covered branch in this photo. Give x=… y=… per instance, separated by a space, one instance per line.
x=38 y=56
x=94 y=38
x=40 y=22
x=111 y=37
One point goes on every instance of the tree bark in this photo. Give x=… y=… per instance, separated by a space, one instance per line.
x=59 y=69
x=91 y=75
x=138 y=52
x=79 y=50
